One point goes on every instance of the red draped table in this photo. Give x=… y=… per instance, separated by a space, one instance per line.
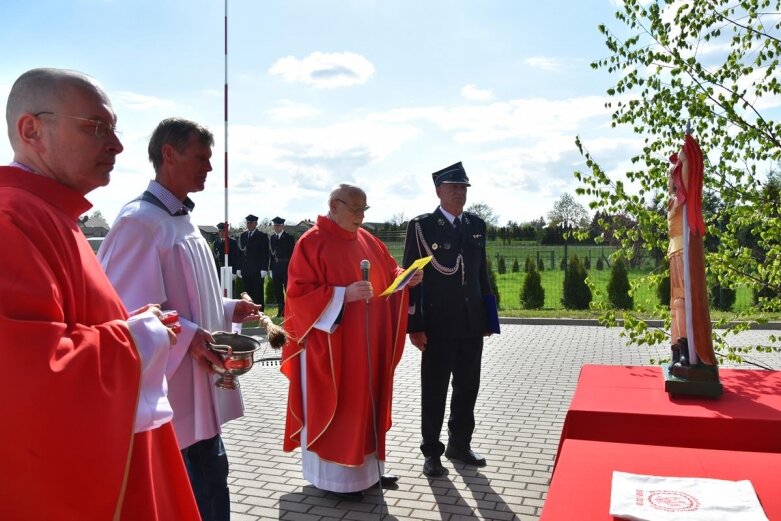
x=580 y=489
x=628 y=404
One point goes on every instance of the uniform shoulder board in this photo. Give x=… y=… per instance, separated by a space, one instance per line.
x=421 y=217
x=474 y=216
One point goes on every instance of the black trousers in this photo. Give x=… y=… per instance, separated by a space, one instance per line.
x=207 y=467
x=280 y=283
x=253 y=284
x=443 y=357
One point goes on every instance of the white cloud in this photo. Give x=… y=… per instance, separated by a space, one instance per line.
x=530 y=118
x=541 y=62
x=325 y=70
x=520 y=155
x=288 y=110
x=135 y=101
x=472 y=92
x=316 y=157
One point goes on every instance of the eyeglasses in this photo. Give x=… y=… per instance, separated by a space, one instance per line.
x=102 y=128
x=354 y=211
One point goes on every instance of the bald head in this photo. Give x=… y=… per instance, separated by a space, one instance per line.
x=345 y=191
x=347 y=206
x=40 y=90
x=61 y=125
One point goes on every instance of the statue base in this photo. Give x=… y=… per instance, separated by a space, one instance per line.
x=693 y=380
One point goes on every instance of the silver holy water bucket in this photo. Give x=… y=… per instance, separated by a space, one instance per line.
x=237 y=352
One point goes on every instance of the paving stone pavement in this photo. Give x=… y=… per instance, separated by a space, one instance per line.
x=528 y=377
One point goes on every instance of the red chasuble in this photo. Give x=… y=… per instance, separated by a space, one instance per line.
x=339 y=415
x=71 y=375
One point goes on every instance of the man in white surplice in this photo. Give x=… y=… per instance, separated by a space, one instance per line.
x=154 y=253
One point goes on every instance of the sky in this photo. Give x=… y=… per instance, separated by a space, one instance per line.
x=374 y=93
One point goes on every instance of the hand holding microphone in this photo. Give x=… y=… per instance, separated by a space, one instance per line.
x=362 y=289
x=365 y=265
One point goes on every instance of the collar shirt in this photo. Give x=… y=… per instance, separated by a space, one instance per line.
x=26 y=168
x=169 y=200
x=449 y=216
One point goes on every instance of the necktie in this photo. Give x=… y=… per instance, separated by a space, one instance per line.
x=457 y=225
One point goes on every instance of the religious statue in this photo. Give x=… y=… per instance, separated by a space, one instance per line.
x=693 y=369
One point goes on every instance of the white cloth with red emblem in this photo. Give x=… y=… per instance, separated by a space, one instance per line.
x=658 y=498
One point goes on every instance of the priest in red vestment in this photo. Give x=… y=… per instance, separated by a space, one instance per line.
x=86 y=422
x=344 y=348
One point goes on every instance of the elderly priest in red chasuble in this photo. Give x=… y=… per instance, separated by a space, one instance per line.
x=335 y=377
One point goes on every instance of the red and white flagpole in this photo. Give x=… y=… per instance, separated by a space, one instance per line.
x=227 y=271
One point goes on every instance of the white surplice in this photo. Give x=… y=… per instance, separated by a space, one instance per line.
x=153 y=257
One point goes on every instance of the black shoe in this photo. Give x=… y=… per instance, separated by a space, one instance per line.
x=468 y=456
x=433 y=467
x=349 y=496
x=388 y=480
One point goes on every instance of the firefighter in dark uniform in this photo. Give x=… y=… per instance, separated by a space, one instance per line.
x=282 y=244
x=447 y=320
x=254 y=247
x=218 y=249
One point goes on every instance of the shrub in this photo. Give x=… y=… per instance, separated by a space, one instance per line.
x=501 y=266
x=765 y=292
x=618 y=286
x=270 y=298
x=529 y=265
x=721 y=298
x=516 y=266
x=600 y=264
x=492 y=282
x=577 y=294
x=587 y=263
x=532 y=292
x=663 y=291
x=540 y=264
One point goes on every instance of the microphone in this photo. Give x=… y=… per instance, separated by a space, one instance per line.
x=365 y=265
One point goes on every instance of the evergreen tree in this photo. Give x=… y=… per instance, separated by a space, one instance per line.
x=540 y=264
x=492 y=282
x=532 y=293
x=577 y=294
x=270 y=298
x=722 y=298
x=663 y=291
x=516 y=265
x=600 y=264
x=529 y=265
x=618 y=286
x=501 y=266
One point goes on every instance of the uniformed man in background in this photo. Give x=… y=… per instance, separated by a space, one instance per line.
x=282 y=244
x=254 y=247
